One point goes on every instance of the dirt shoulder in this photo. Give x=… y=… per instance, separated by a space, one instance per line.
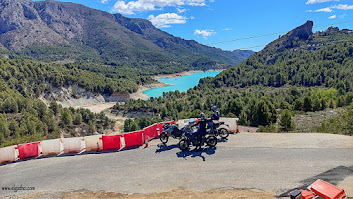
x=174 y=194
x=97 y=107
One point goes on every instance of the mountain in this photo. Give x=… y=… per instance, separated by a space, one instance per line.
x=57 y=31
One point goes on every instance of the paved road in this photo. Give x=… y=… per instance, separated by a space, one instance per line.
x=270 y=162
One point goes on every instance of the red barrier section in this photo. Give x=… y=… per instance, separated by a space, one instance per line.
x=111 y=142
x=28 y=150
x=327 y=190
x=133 y=139
x=307 y=194
x=150 y=133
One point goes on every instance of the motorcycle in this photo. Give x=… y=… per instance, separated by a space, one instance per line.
x=170 y=130
x=191 y=138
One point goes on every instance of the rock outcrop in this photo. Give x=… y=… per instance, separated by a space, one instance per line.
x=292 y=38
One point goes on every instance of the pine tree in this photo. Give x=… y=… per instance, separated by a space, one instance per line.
x=77 y=119
x=66 y=118
x=286 y=123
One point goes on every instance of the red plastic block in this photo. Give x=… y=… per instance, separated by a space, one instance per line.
x=133 y=139
x=28 y=150
x=111 y=142
x=307 y=194
x=150 y=133
x=327 y=190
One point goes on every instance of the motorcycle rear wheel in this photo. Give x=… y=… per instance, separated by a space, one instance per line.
x=164 y=137
x=211 y=141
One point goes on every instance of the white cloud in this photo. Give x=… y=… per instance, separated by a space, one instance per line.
x=343 y=7
x=205 y=33
x=104 y=1
x=181 y=10
x=333 y=17
x=165 y=20
x=328 y=9
x=147 y=5
x=318 y=1
x=226 y=29
x=196 y=2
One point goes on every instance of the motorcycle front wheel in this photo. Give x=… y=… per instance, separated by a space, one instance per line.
x=164 y=137
x=183 y=145
x=211 y=141
x=223 y=133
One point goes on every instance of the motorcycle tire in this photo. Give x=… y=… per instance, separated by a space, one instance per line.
x=211 y=141
x=183 y=145
x=164 y=137
x=223 y=133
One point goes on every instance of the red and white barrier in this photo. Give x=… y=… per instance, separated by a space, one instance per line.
x=52 y=147
x=93 y=143
x=133 y=139
x=111 y=142
x=8 y=154
x=74 y=145
x=28 y=150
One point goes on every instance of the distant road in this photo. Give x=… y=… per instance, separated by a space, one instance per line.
x=270 y=162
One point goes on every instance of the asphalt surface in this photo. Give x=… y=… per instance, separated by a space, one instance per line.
x=269 y=162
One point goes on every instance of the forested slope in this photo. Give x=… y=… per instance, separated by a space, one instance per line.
x=24 y=118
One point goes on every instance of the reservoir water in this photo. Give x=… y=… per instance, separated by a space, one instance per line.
x=182 y=83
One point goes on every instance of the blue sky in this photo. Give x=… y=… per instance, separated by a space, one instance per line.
x=212 y=21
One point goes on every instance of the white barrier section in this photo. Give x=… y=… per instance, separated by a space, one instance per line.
x=74 y=145
x=232 y=122
x=183 y=122
x=52 y=147
x=93 y=143
x=8 y=154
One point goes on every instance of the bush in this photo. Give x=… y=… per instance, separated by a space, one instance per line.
x=286 y=124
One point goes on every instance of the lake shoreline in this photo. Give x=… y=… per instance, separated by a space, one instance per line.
x=140 y=95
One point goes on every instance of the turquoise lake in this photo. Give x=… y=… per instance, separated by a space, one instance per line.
x=179 y=83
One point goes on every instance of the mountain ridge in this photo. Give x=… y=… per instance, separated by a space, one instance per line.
x=88 y=34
